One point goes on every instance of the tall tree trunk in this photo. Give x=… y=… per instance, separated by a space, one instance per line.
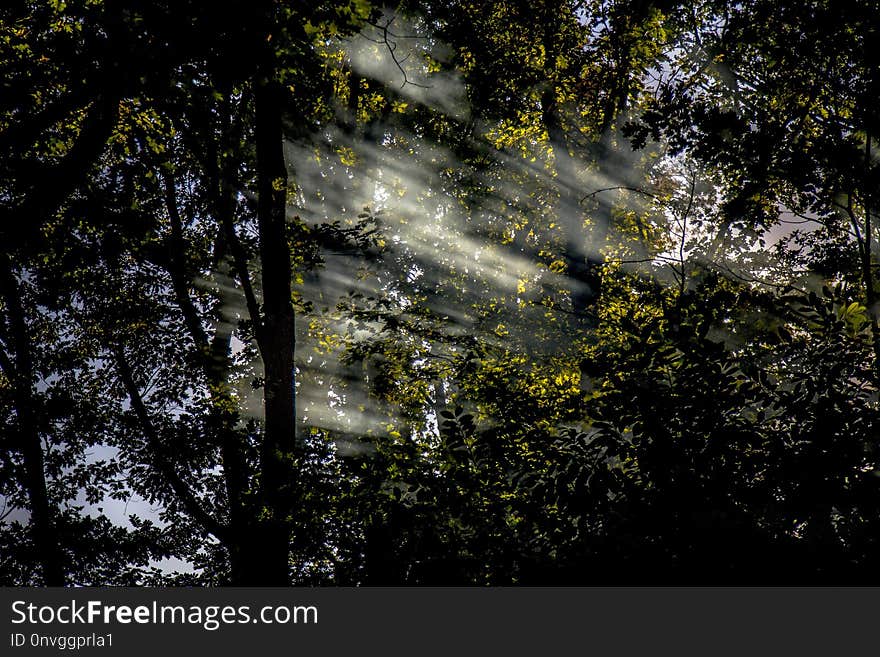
x=276 y=335
x=45 y=534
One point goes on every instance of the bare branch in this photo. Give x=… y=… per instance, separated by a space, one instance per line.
x=392 y=49
x=619 y=187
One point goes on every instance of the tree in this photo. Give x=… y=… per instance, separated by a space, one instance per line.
x=483 y=293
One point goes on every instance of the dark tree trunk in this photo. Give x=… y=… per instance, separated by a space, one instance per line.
x=45 y=534
x=276 y=335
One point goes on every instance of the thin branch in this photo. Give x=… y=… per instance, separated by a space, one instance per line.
x=240 y=262
x=392 y=48
x=176 y=265
x=684 y=219
x=635 y=261
x=754 y=279
x=7 y=509
x=186 y=496
x=855 y=225
x=396 y=36
x=619 y=187
x=222 y=199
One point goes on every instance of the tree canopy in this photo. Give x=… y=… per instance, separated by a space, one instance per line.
x=447 y=292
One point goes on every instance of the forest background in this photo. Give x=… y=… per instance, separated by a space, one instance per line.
x=451 y=292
